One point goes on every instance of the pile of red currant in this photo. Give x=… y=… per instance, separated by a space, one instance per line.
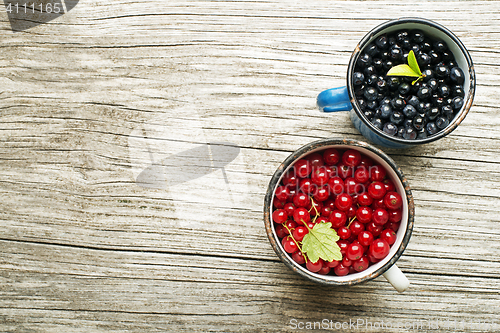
x=350 y=191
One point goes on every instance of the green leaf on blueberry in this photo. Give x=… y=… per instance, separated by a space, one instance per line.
x=411 y=70
x=321 y=242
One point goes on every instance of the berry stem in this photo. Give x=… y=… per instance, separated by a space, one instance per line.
x=297 y=242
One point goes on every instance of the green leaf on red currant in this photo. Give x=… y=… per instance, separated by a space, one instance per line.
x=321 y=242
x=411 y=70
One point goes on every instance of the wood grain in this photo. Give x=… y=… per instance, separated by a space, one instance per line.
x=91 y=99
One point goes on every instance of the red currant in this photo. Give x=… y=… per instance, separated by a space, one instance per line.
x=290 y=225
x=301 y=200
x=356 y=228
x=320 y=175
x=324 y=270
x=289 y=244
x=379 y=249
x=344 y=233
x=341 y=270
x=331 y=156
x=336 y=185
x=315 y=159
x=282 y=193
x=279 y=216
x=351 y=158
x=378 y=204
x=377 y=173
x=298 y=257
x=366 y=162
x=389 y=185
x=365 y=238
x=374 y=229
x=299 y=233
x=393 y=225
x=278 y=203
x=380 y=216
x=314 y=266
x=281 y=231
x=289 y=208
x=393 y=200
x=325 y=210
x=322 y=194
x=364 y=214
x=290 y=179
x=364 y=199
x=395 y=216
x=376 y=190
x=354 y=251
x=343 y=201
x=361 y=175
x=346 y=262
x=332 y=264
x=307 y=186
x=351 y=212
x=361 y=264
x=338 y=218
x=352 y=186
x=389 y=236
x=301 y=215
x=344 y=171
x=302 y=168
x=343 y=244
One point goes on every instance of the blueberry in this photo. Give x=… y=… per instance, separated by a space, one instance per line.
x=385 y=111
x=395 y=53
x=413 y=100
x=457 y=103
x=422 y=134
x=371 y=50
x=370 y=93
x=384 y=55
x=424 y=107
x=435 y=57
x=424 y=93
x=426 y=46
x=446 y=56
x=390 y=129
x=385 y=100
x=398 y=103
x=362 y=104
x=393 y=83
x=433 y=84
x=457 y=90
x=409 y=111
x=402 y=35
x=387 y=64
x=358 y=78
x=400 y=132
x=443 y=91
x=382 y=42
x=404 y=88
x=371 y=105
x=372 y=79
x=364 y=60
x=368 y=114
x=377 y=122
x=418 y=123
x=457 y=75
x=407 y=123
x=397 y=118
x=381 y=85
x=409 y=134
x=431 y=128
x=417 y=36
x=415 y=48
x=440 y=46
x=377 y=63
x=428 y=74
x=369 y=71
x=442 y=71
x=442 y=122
x=423 y=59
x=433 y=113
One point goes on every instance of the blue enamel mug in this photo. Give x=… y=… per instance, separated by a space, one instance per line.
x=344 y=98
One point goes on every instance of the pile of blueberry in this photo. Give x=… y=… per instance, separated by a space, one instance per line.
x=399 y=106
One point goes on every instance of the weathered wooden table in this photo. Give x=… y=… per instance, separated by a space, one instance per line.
x=117 y=216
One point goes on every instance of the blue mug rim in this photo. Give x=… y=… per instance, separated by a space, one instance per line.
x=357 y=52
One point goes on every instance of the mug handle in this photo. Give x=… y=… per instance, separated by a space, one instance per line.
x=397 y=278
x=333 y=100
